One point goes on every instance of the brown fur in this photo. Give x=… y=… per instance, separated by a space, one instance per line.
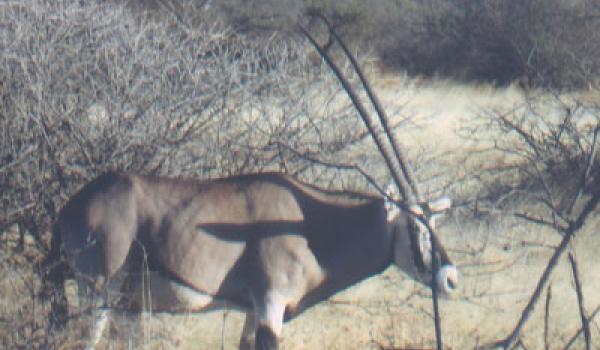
x=235 y=239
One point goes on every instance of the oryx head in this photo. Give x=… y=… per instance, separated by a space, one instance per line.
x=412 y=242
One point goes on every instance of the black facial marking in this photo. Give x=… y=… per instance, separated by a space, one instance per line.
x=413 y=233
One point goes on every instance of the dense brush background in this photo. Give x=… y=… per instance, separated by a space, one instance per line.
x=496 y=103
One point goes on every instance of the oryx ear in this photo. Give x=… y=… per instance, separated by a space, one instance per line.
x=440 y=205
x=437 y=208
x=416 y=209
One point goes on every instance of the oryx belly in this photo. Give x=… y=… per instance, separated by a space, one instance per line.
x=158 y=293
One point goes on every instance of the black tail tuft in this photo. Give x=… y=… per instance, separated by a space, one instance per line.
x=265 y=339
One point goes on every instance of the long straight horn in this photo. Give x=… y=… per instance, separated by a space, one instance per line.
x=403 y=185
x=383 y=118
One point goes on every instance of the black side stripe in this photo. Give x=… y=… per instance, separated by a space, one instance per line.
x=413 y=233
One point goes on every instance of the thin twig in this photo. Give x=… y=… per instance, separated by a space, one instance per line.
x=547 y=316
x=509 y=341
x=585 y=325
x=588 y=169
x=434 y=292
x=574 y=337
x=339 y=166
x=521 y=344
x=536 y=220
x=569 y=233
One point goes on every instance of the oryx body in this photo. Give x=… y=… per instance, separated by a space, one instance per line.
x=266 y=243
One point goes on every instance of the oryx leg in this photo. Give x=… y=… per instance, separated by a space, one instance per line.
x=268 y=313
x=89 y=300
x=247 y=338
x=130 y=328
x=99 y=302
x=101 y=321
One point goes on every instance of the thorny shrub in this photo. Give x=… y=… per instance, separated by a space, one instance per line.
x=90 y=86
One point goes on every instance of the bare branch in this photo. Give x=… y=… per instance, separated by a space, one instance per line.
x=576 y=335
x=573 y=228
x=588 y=169
x=539 y=221
x=547 y=316
x=342 y=166
x=585 y=325
x=434 y=270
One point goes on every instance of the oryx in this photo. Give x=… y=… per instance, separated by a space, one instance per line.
x=266 y=243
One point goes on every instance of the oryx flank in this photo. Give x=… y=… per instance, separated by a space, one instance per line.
x=266 y=243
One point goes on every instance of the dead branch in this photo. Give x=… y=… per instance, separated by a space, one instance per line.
x=521 y=344
x=547 y=316
x=572 y=229
x=574 y=337
x=585 y=325
x=436 y=311
x=588 y=169
x=434 y=292
x=339 y=166
x=539 y=221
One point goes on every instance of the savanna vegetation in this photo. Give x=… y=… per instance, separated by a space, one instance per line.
x=215 y=88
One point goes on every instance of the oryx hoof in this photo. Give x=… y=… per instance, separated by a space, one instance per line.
x=265 y=339
x=247 y=343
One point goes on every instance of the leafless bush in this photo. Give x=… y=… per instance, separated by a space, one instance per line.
x=543 y=151
x=544 y=168
x=91 y=88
